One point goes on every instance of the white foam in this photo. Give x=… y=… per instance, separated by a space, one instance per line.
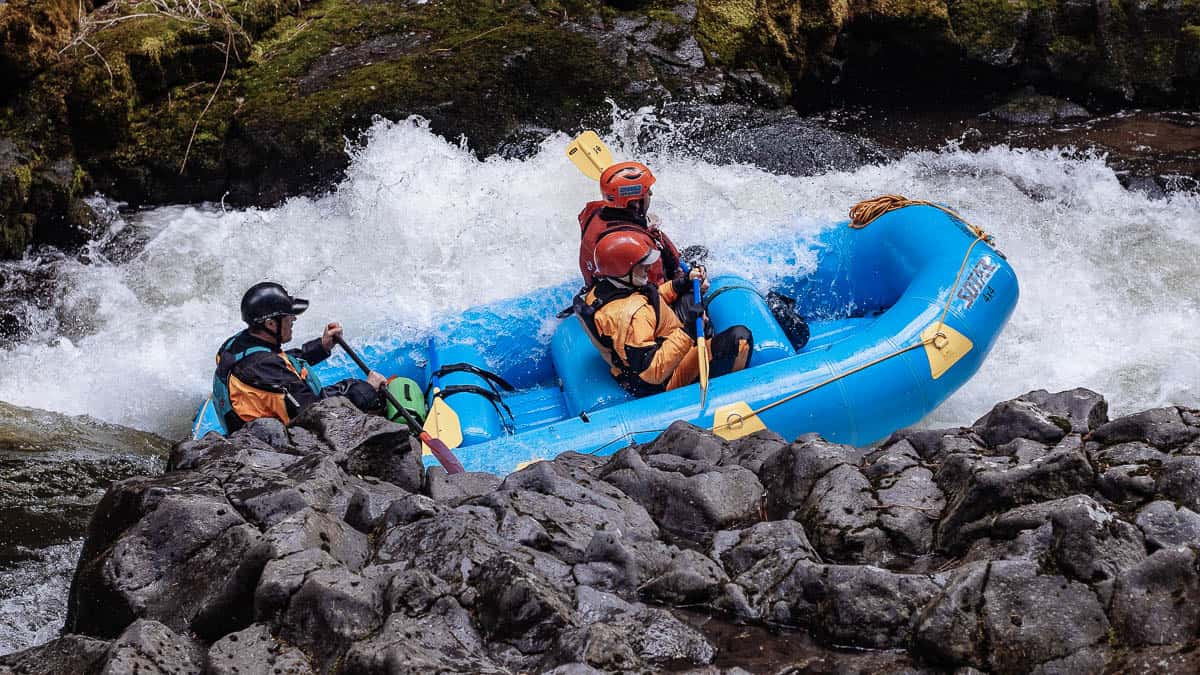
x=420 y=229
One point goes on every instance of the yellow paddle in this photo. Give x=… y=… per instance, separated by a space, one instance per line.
x=589 y=154
x=442 y=422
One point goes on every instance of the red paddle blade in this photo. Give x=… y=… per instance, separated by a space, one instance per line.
x=447 y=459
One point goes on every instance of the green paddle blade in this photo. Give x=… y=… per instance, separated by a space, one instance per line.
x=443 y=423
x=589 y=154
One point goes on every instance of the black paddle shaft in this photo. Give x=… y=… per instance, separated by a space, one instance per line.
x=440 y=450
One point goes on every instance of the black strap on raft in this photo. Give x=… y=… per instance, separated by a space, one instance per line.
x=490 y=394
x=491 y=377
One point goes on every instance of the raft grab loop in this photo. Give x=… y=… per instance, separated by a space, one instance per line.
x=943 y=345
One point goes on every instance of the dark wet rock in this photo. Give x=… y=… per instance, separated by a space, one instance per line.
x=283 y=559
x=613 y=631
x=1005 y=617
x=739 y=550
x=738 y=134
x=519 y=606
x=254 y=651
x=557 y=509
x=341 y=426
x=1164 y=428
x=1091 y=544
x=1179 y=481
x=690 y=499
x=855 y=605
x=444 y=640
x=1023 y=450
x=934 y=445
x=393 y=456
x=1021 y=418
x=454 y=489
x=369 y=502
x=171 y=549
x=315 y=530
x=266 y=496
x=409 y=509
x=973 y=494
x=1159 y=660
x=751 y=451
x=332 y=608
x=152 y=648
x=413 y=592
x=450 y=544
x=689 y=442
x=841 y=517
x=1167 y=525
x=910 y=502
x=691 y=579
x=266 y=429
x=77 y=654
x=789 y=475
x=282 y=577
x=1158 y=601
x=1029 y=107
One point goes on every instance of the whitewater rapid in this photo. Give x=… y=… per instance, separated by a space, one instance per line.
x=420 y=228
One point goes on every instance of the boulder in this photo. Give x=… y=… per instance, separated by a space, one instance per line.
x=77 y=654
x=739 y=550
x=454 y=489
x=1167 y=525
x=857 y=605
x=254 y=651
x=1060 y=473
x=444 y=641
x=1164 y=428
x=150 y=647
x=841 y=517
x=1004 y=617
x=691 y=499
x=170 y=549
x=1158 y=601
x=1021 y=418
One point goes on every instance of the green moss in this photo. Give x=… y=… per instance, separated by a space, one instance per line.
x=1191 y=33
x=723 y=28
x=984 y=27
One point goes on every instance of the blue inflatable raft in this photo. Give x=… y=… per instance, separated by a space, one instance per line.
x=902 y=312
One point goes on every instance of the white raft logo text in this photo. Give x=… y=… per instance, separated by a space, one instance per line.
x=976 y=282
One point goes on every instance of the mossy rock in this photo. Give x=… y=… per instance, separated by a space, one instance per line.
x=31 y=34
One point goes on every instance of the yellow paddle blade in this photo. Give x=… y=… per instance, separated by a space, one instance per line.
x=589 y=154
x=702 y=348
x=736 y=420
x=944 y=346
x=442 y=423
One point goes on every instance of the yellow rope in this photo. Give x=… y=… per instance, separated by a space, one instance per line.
x=861 y=215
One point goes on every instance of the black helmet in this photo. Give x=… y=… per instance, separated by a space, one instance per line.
x=269 y=300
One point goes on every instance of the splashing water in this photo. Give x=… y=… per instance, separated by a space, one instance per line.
x=420 y=229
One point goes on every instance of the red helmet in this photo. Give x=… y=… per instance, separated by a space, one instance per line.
x=625 y=182
x=617 y=253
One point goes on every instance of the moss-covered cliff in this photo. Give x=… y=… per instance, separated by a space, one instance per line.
x=259 y=95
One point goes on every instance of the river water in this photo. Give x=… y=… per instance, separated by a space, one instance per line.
x=420 y=228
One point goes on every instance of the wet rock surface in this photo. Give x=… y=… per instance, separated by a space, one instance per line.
x=992 y=548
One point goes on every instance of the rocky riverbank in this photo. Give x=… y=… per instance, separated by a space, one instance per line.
x=250 y=102
x=1044 y=538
